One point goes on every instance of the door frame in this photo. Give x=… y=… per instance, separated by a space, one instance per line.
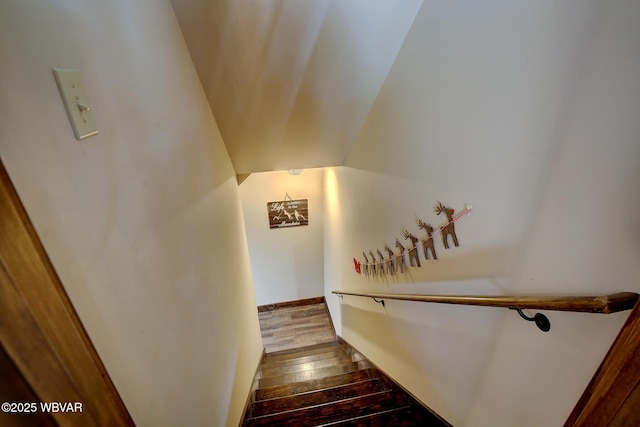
x=40 y=329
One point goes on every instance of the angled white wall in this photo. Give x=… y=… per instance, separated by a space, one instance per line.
x=286 y=263
x=528 y=111
x=143 y=221
x=291 y=82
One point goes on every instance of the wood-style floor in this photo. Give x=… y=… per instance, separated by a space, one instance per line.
x=295 y=324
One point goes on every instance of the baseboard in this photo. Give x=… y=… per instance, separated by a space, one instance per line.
x=246 y=413
x=289 y=304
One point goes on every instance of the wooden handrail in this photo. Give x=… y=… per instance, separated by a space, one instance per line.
x=589 y=304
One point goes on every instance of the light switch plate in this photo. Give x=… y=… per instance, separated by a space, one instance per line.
x=75 y=102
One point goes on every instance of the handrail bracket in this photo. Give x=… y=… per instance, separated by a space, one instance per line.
x=381 y=301
x=541 y=321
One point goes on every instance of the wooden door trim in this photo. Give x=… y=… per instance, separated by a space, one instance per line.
x=39 y=316
x=612 y=396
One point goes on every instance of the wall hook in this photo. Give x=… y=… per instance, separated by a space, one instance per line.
x=542 y=321
x=378 y=301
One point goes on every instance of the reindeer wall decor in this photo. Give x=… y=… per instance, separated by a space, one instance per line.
x=448 y=229
x=389 y=261
x=365 y=266
x=381 y=263
x=374 y=265
x=396 y=262
x=413 y=250
x=427 y=243
x=399 y=260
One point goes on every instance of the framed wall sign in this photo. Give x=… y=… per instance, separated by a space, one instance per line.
x=288 y=213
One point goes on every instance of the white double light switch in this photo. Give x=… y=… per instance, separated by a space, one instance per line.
x=75 y=102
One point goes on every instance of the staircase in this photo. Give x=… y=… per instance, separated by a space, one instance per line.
x=330 y=384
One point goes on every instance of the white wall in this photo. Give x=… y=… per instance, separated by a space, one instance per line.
x=528 y=111
x=142 y=222
x=585 y=235
x=286 y=263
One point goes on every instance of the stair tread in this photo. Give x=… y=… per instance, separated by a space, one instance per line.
x=327 y=413
x=297 y=359
x=312 y=374
x=304 y=351
x=274 y=371
x=316 y=397
x=274 y=323
x=397 y=417
x=305 y=386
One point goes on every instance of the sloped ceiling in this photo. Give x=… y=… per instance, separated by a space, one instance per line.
x=291 y=82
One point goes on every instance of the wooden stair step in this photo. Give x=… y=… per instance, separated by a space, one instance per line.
x=268 y=372
x=274 y=322
x=396 y=417
x=294 y=341
x=305 y=351
x=267 y=363
x=302 y=387
x=329 y=412
x=313 y=374
x=299 y=328
x=297 y=360
x=311 y=398
x=404 y=416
